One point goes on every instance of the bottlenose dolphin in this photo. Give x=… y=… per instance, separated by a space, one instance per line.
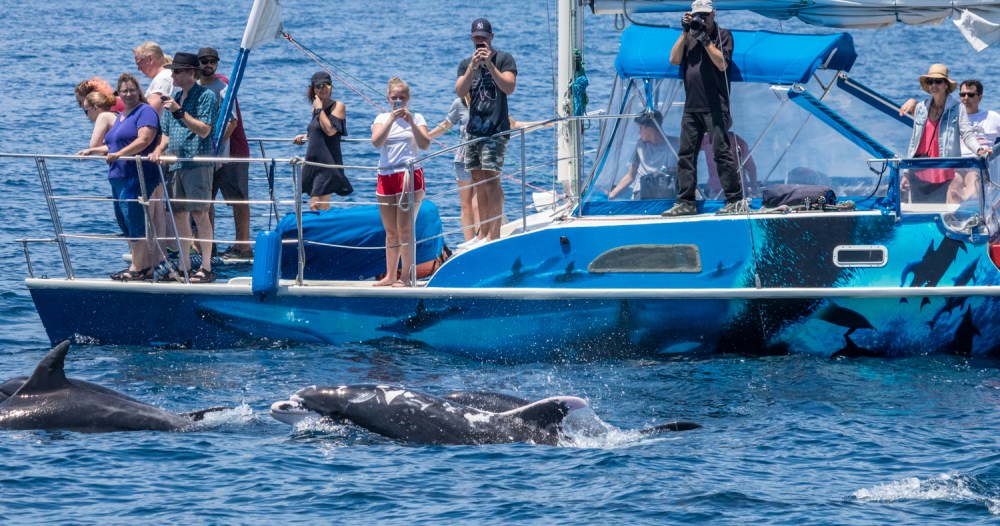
x=470 y=418
x=48 y=400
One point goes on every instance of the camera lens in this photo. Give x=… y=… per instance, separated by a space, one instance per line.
x=697 y=23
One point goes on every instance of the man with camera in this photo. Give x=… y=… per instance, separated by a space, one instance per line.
x=704 y=52
x=488 y=77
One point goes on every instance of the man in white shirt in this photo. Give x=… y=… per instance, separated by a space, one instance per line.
x=986 y=124
x=149 y=59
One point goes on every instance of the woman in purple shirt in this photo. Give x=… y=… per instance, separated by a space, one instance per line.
x=134 y=133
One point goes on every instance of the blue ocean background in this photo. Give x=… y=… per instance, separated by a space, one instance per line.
x=786 y=440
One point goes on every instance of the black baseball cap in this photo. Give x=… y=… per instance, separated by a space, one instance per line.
x=319 y=78
x=208 y=52
x=482 y=28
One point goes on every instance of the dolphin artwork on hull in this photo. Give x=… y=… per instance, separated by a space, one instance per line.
x=47 y=400
x=461 y=418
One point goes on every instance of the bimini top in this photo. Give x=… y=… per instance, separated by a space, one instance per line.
x=758 y=56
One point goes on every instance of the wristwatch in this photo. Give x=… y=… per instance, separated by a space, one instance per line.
x=179 y=114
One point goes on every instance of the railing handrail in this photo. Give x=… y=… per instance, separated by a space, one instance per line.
x=294 y=164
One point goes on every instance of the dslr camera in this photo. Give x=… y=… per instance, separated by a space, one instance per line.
x=697 y=23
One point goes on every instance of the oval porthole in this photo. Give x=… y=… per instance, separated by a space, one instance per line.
x=860 y=256
x=648 y=259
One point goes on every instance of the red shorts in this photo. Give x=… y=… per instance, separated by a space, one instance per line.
x=392 y=184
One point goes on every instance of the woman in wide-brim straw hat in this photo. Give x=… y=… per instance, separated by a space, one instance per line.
x=940 y=126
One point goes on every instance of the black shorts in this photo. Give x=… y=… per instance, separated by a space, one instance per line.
x=232 y=179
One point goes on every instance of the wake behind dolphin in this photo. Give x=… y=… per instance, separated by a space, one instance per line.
x=48 y=400
x=462 y=418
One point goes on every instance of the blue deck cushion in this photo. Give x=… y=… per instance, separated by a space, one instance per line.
x=340 y=228
x=758 y=56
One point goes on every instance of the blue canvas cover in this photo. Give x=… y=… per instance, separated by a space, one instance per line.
x=758 y=56
x=351 y=227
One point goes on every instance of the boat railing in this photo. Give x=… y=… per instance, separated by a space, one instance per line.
x=274 y=202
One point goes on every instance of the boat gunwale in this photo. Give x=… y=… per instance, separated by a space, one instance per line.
x=363 y=289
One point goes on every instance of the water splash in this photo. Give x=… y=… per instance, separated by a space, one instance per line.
x=950 y=487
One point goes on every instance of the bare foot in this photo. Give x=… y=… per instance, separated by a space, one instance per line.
x=384 y=282
x=399 y=284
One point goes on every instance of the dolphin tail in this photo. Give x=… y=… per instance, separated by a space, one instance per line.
x=680 y=425
x=549 y=411
x=198 y=416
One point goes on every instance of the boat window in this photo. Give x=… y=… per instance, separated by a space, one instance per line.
x=860 y=256
x=648 y=259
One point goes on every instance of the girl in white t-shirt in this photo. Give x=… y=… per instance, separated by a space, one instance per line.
x=398 y=134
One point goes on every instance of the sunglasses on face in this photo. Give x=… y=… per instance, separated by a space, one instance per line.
x=209 y=61
x=968 y=94
x=87 y=109
x=935 y=81
x=322 y=85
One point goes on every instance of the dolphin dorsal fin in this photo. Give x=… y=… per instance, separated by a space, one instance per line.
x=549 y=411
x=48 y=374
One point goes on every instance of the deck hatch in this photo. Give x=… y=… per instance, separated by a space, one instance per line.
x=860 y=256
x=648 y=259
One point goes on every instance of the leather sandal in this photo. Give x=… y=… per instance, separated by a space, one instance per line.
x=202 y=276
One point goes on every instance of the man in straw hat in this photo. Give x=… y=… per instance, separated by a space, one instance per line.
x=704 y=51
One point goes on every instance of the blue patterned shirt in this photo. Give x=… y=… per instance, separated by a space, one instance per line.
x=203 y=105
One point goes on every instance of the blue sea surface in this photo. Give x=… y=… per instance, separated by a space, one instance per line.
x=785 y=440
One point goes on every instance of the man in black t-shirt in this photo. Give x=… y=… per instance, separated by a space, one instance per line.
x=705 y=52
x=488 y=77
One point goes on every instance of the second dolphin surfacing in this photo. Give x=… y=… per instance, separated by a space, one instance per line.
x=402 y=414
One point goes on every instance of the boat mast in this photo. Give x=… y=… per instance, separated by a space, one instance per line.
x=569 y=132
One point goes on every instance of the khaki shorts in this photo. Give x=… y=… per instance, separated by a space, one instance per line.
x=194 y=184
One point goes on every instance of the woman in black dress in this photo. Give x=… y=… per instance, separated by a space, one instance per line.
x=323 y=135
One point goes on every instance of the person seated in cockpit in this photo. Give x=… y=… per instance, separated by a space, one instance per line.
x=650 y=174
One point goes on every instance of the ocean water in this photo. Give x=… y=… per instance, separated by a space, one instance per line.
x=785 y=440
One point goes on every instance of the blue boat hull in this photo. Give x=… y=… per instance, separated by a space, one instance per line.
x=531 y=324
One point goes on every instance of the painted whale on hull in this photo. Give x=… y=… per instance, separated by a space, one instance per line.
x=462 y=418
x=47 y=400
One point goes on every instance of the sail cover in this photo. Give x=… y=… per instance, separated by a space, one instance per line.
x=263 y=25
x=977 y=19
x=758 y=56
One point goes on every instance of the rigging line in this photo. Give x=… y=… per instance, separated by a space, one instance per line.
x=316 y=58
x=552 y=60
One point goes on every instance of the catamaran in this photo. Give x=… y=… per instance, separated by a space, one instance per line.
x=855 y=268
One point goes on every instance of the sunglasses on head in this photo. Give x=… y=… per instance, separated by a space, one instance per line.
x=936 y=81
x=321 y=85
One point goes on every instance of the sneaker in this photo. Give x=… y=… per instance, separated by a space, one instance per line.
x=736 y=207
x=682 y=208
